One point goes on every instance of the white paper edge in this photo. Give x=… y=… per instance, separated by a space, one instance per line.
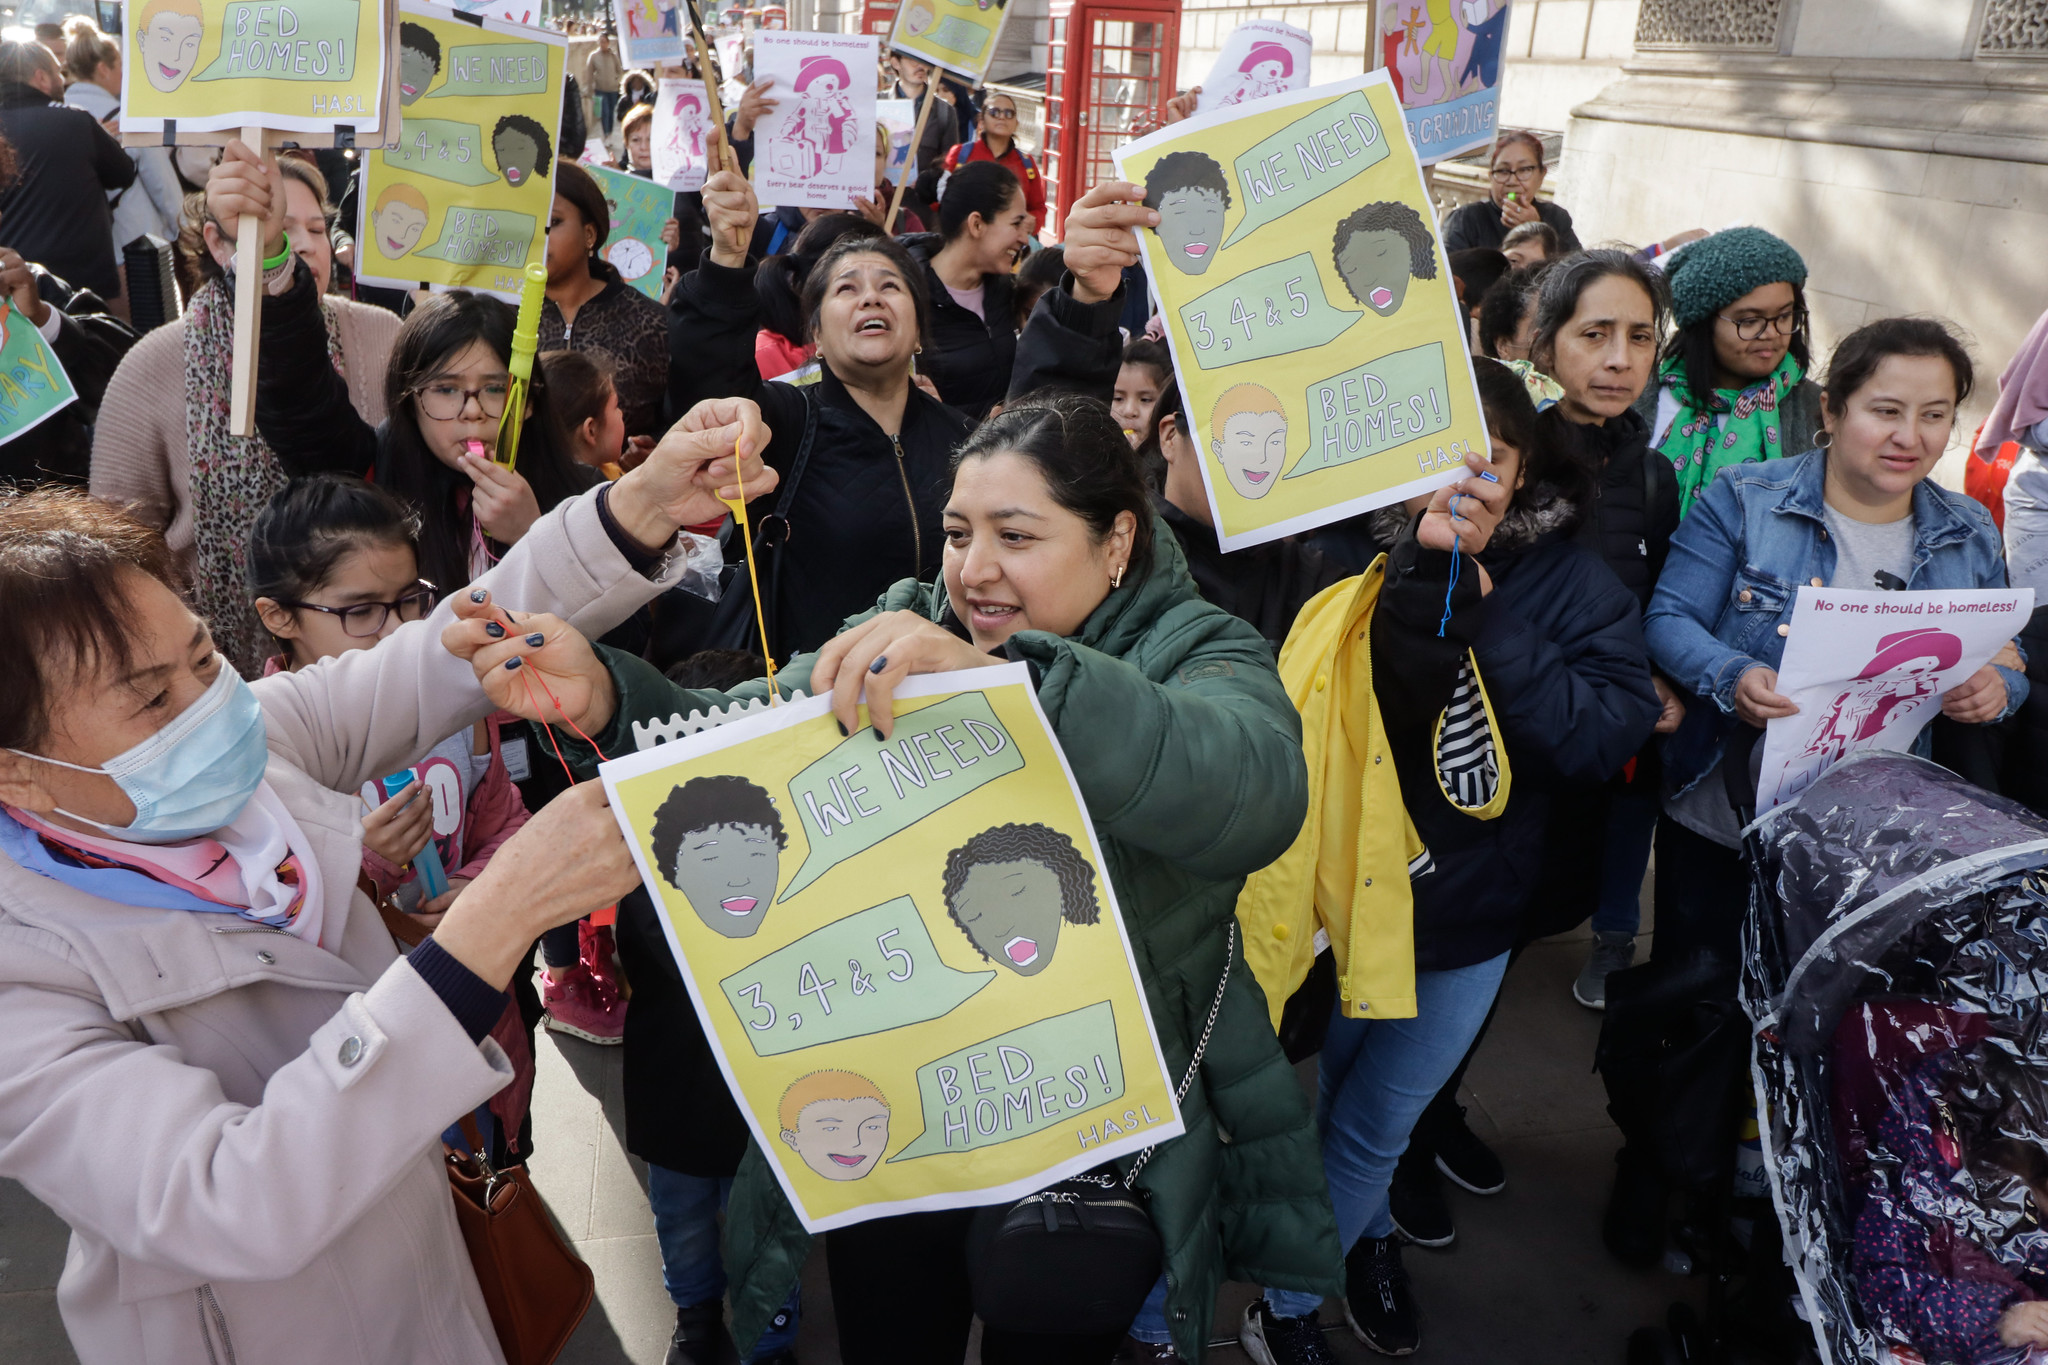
x=813 y=201
x=1148 y=246
x=490 y=25
x=792 y=712
x=1294 y=30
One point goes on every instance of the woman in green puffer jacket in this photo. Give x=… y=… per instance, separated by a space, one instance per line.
x=1188 y=755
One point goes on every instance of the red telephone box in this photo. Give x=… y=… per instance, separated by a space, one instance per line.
x=1108 y=68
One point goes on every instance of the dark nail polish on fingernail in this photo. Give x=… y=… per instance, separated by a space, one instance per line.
x=511 y=664
x=494 y=630
x=881 y=662
x=843 y=731
x=879 y=735
x=536 y=639
x=478 y=595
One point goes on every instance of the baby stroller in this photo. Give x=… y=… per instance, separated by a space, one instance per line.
x=1895 y=974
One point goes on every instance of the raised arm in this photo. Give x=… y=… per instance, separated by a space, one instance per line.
x=716 y=314
x=1071 y=341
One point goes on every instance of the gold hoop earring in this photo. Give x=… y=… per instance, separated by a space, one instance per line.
x=1116 y=577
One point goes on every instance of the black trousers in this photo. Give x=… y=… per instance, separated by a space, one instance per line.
x=900 y=1294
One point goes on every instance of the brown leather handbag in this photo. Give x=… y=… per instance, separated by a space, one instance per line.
x=534 y=1284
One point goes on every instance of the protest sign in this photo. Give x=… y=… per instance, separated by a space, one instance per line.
x=1309 y=308
x=203 y=70
x=816 y=148
x=652 y=33
x=634 y=247
x=511 y=11
x=680 y=135
x=907 y=955
x=33 y=385
x=899 y=117
x=1867 y=670
x=1445 y=60
x=959 y=35
x=1261 y=57
x=462 y=201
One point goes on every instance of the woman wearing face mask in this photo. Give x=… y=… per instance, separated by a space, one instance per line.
x=1860 y=512
x=162 y=446
x=865 y=446
x=983 y=223
x=1052 y=557
x=218 y=1070
x=1733 y=387
x=589 y=308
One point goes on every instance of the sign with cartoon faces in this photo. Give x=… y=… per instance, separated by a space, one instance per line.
x=462 y=200
x=218 y=66
x=816 y=149
x=907 y=954
x=959 y=35
x=652 y=33
x=1444 y=57
x=1309 y=307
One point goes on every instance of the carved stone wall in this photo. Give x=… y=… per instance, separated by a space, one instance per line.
x=1717 y=23
x=2015 y=28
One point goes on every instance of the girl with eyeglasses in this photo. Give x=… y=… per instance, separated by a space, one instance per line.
x=1516 y=173
x=1733 y=387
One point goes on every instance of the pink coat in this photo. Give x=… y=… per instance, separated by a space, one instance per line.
x=174 y=1085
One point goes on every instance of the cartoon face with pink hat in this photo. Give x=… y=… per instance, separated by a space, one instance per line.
x=824 y=122
x=1263 y=72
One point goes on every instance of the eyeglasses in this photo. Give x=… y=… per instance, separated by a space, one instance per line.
x=1752 y=329
x=999 y=113
x=1506 y=174
x=367 y=619
x=444 y=401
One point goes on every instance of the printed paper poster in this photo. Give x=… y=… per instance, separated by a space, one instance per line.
x=652 y=33
x=816 y=149
x=462 y=201
x=639 y=208
x=33 y=384
x=1445 y=60
x=1308 y=306
x=527 y=12
x=1260 y=58
x=907 y=956
x=1868 y=669
x=900 y=118
x=301 y=66
x=681 y=133
x=959 y=35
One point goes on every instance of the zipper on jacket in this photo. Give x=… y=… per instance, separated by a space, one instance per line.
x=916 y=531
x=211 y=1321
x=247 y=929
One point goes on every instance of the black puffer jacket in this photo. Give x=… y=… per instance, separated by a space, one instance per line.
x=1635 y=502
x=1560 y=649
x=867 y=507
x=967 y=358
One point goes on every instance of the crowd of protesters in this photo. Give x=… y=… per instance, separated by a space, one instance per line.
x=214 y=649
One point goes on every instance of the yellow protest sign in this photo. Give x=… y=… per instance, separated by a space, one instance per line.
x=462 y=200
x=222 y=65
x=959 y=35
x=1309 y=307
x=907 y=955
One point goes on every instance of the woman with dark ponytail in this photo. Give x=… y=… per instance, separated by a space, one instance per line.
x=984 y=224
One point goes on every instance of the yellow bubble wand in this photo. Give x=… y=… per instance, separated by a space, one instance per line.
x=739 y=512
x=525 y=344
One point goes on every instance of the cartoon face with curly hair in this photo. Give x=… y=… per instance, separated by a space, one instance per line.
x=1191 y=193
x=522 y=148
x=419 y=61
x=1378 y=249
x=719 y=841
x=1010 y=889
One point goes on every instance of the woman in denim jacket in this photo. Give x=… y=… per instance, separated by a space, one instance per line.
x=1721 y=613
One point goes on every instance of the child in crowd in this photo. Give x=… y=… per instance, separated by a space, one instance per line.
x=588 y=401
x=1145 y=370
x=333 y=566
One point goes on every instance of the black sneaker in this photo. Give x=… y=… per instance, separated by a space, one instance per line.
x=1634 y=1225
x=700 y=1337
x=1378 y=1302
x=1416 y=1201
x=1469 y=1163
x=1273 y=1340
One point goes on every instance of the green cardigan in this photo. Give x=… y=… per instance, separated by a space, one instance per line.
x=1188 y=753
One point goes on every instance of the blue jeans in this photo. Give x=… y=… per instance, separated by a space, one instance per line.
x=607 y=108
x=686 y=1209
x=1631 y=820
x=1376 y=1078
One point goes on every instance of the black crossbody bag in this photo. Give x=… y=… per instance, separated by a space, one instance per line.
x=732 y=621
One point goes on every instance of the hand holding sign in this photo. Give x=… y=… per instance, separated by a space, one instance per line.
x=1101 y=237
x=874 y=657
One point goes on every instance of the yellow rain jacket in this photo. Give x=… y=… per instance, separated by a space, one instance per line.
x=1344 y=880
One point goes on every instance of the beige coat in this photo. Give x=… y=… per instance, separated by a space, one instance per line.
x=141 y=457
x=184 y=1090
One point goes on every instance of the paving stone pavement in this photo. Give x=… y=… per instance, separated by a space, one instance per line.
x=1527 y=1281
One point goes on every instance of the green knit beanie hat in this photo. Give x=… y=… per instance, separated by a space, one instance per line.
x=1708 y=275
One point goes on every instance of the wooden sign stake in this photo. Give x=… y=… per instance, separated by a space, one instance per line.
x=248 y=311
x=910 y=165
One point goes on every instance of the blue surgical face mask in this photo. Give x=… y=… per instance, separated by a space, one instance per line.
x=195 y=775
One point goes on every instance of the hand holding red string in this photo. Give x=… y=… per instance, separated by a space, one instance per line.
x=568 y=684
x=709 y=455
